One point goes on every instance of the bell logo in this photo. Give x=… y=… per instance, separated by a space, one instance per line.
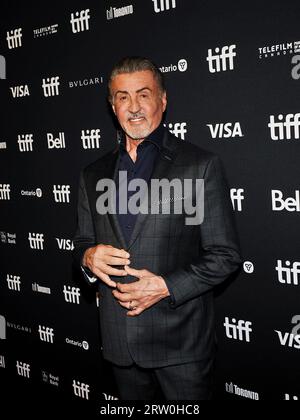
x=2 y=328
x=290 y=204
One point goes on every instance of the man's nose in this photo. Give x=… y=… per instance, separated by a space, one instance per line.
x=134 y=106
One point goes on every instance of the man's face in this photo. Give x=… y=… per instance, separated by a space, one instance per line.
x=138 y=103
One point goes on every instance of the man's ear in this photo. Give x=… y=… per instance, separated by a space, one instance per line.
x=164 y=100
x=113 y=108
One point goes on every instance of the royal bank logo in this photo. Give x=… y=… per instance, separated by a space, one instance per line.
x=163 y=5
x=2 y=67
x=50 y=86
x=238 y=329
x=178 y=129
x=49 y=378
x=91 y=81
x=237 y=196
x=8 y=238
x=2 y=328
x=65 y=244
x=4 y=191
x=291 y=340
x=90 y=139
x=80 y=21
x=13 y=282
x=221 y=59
x=81 y=389
x=45 y=31
x=36 y=240
x=25 y=142
x=46 y=334
x=225 y=130
x=23 y=369
x=244 y=393
x=285 y=127
x=290 y=204
x=277 y=50
x=61 y=193
x=14 y=38
x=117 y=12
x=71 y=294
x=181 y=66
x=19 y=91
x=3 y=145
x=288 y=273
x=56 y=142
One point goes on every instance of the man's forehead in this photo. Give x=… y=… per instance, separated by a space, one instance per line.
x=133 y=81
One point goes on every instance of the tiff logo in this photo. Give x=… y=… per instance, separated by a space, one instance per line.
x=80 y=21
x=61 y=193
x=237 y=197
x=13 y=282
x=291 y=204
x=50 y=86
x=72 y=294
x=238 y=330
x=4 y=191
x=286 y=127
x=162 y=5
x=221 y=61
x=25 y=142
x=2 y=361
x=90 y=139
x=56 y=142
x=14 y=38
x=81 y=390
x=36 y=240
x=2 y=67
x=23 y=369
x=288 y=275
x=46 y=334
x=178 y=129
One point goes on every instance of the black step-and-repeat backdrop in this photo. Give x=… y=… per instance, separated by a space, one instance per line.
x=233 y=77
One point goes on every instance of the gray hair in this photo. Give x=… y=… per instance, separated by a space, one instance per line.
x=132 y=65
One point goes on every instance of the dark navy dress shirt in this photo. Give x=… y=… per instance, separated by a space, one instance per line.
x=147 y=153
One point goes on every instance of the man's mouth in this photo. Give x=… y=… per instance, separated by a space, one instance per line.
x=136 y=120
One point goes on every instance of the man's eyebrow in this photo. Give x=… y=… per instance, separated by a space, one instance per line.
x=138 y=91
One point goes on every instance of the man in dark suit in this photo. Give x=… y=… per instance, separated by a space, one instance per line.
x=155 y=272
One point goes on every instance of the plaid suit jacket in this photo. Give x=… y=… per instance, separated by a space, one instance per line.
x=191 y=259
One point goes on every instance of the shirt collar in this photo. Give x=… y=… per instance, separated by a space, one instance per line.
x=156 y=138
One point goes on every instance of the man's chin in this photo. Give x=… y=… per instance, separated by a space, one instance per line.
x=137 y=134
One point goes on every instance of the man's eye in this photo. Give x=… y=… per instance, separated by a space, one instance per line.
x=123 y=98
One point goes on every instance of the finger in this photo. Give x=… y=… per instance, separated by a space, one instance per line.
x=116 y=252
x=133 y=271
x=108 y=259
x=136 y=311
x=122 y=297
x=105 y=278
x=107 y=269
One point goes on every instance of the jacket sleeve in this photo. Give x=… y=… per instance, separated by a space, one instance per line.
x=220 y=253
x=85 y=234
